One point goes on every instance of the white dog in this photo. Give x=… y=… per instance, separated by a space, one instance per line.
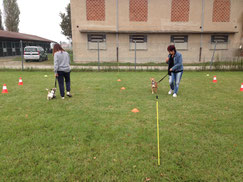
x=51 y=94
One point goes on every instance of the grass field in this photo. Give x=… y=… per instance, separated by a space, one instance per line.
x=94 y=136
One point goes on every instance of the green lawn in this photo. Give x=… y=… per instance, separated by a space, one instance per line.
x=94 y=136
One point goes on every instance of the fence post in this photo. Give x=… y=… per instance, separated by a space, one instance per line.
x=241 y=63
x=22 y=56
x=98 y=55
x=200 y=54
x=213 y=55
x=135 y=53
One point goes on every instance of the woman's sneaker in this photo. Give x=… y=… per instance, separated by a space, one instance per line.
x=174 y=95
x=170 y=92
x=68 y=94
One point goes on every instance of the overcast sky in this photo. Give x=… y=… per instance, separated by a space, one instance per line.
x=41 y=18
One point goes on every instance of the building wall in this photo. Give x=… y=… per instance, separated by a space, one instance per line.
x=158 y=20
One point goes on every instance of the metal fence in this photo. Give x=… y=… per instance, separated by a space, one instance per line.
x=13 y=48
x=137 y=53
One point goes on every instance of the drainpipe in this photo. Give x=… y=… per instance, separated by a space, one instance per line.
x=117 y=29
x=202 y=28
x=22 y=54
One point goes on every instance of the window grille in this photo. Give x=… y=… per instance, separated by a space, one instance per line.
x=180 y=41
x=96 y=37
x=219 y=38
x=179 y=38
x=138 y=38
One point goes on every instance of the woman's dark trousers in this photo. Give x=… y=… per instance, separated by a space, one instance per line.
x=61 y=76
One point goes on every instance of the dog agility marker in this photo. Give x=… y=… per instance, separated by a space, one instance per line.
x=157 y=108
x=135 y=110
x=123 y=88
x=20 y=81
x=5 y=90
x=214 y=79
x=119 y=80
x=241 y=88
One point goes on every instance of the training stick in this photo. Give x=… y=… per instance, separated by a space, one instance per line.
x=157 y=108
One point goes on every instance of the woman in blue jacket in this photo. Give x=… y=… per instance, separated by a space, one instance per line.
x=177 y=69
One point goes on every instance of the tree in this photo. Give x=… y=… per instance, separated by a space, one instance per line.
x=1 y=23
x=66 y=23
x=11 y=13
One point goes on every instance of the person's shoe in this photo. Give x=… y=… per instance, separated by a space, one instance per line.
x=174 y=95
x=63 y=98
x=170 y=92
x=68 y=94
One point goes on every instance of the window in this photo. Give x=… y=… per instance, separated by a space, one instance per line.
x=219 y=42
x=139 y=40
x=180 y=41
x=4 y=47
x=94 y=39
x=219 y=38
x=13 y=48
x=30 y=49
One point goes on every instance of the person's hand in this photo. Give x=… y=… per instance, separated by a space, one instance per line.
x=56 y=75
x=167 y=59
x=170 y=69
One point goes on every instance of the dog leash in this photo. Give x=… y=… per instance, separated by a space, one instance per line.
x=162 y=78
x=56 y=82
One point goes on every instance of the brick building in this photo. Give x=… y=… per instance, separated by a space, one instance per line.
x=119 y=27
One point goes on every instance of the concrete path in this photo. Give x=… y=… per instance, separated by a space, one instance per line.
x=7 y=63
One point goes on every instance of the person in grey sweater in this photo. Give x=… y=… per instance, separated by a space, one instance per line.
x=62 y=69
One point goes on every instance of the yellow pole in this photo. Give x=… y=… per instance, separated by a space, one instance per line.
x=157 y=108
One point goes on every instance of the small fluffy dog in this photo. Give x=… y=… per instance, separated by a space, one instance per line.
x=51 y=94
x=154 y=85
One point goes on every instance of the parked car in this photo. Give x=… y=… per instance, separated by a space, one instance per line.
x=34 y=53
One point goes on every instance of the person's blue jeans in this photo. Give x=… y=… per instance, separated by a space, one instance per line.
x=61 y=76
x=176 y=78
x=171 y=82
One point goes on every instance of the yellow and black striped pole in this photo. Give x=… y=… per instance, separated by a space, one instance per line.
x=157 y=108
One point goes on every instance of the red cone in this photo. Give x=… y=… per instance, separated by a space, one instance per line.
x=20 y=81
x=241 y=88
x=214 y=79
x=5 y=90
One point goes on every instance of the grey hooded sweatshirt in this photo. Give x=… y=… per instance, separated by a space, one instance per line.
x=61 y=62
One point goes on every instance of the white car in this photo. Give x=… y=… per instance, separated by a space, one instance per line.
x=34 y=53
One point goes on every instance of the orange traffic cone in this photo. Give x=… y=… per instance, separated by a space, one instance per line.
x=135 y=110
x=20 y=81
x=119 y=80
x=5 y=90
x=214 y=79
x=241 y=88
x=123 y=88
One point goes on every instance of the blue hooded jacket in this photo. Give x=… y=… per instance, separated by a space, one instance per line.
x=177 y=62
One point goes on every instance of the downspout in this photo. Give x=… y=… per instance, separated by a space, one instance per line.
x=117 y=30
x=202 y=29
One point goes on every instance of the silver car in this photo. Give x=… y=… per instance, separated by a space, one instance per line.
x=34 y=53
